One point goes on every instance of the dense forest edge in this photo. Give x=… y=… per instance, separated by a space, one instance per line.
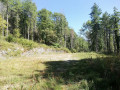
x=92 y=59
x=21 y=19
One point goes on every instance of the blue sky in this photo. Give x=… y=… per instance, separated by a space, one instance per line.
x=76 y=11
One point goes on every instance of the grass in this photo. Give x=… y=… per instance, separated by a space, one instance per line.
x=18 y=71
x=11 y=49
x=86 y=55
x=27 y=44
x=4 y=45
x=29 y=73
x=12 y=46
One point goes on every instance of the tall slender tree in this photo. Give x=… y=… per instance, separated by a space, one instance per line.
x=95 y=22
x=116 y=19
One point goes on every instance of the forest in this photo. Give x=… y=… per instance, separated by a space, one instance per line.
x=39 y=50
x=103 y=32
x=23 y=20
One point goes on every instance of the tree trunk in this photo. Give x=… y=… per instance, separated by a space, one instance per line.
x=65 y=38
x=25 y=29
x=33 y=34
x=28 y=33
x=114 y=43
x=96 y=49
x=17 y=20
x=109 y=41
x=65 y=41
x=7 y=19
x=104 y=41
x=3 y=25
x=71 y=39
x=117 y=40
x=34 y=26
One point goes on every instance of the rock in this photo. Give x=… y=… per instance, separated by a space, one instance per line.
x=9 y=49
x=40 y=51
x=4 y=52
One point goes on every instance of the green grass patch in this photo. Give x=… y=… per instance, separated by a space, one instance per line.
x=86 y=73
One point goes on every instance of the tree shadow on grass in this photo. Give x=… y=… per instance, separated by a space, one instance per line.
x=100 y=73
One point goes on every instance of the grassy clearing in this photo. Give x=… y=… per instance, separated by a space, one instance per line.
x=39 y=74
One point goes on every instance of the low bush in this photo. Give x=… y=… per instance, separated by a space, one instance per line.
x=10 y=38
x=16 y=33
x=64 y=49
x=73 y=51
x=28 y=44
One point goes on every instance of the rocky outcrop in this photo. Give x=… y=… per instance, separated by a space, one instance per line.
x=4 y=53
x=41 y=51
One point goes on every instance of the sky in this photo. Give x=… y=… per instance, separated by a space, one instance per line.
x=77 y=11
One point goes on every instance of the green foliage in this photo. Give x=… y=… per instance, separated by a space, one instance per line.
x=82 y=85
x=64 y=49
x=102 y=33
x=56 y=45
x=16 y=33
x=52 y=84
x=10 y=49
x=73 y=51
x=10 y=38
x=44 y=20
x=95 y=17
x=4 y=45
x=53 y=30
x=49 y=37
x=115 y=21
x=61 y=24
x=42 y=26
x=28 y=44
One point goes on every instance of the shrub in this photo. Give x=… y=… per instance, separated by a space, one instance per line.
x=16 y=33
x=28 y=44
x=64 y=49
x=10 y=38
x=56 y=45
x=73 y=51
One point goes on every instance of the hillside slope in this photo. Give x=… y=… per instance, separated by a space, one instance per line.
x=11 y=46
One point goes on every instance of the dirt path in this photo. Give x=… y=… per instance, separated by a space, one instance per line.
x=51 y=57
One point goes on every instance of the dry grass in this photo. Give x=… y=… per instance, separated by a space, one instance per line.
x=18 y=71
x=22 y=72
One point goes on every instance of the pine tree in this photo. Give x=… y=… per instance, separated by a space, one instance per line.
x=95 y=22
